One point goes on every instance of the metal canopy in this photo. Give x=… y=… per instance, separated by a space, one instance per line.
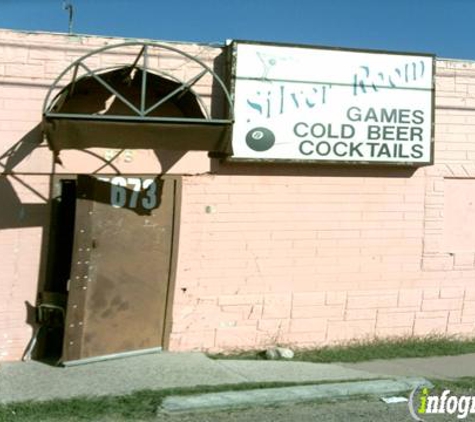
x=133 y=104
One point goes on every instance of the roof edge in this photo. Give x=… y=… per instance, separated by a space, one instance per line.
x=215 y=44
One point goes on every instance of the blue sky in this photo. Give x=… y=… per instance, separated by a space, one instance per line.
x=442 y=27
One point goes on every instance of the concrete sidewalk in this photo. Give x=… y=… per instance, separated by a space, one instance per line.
x=23 y=381
x=438 y=367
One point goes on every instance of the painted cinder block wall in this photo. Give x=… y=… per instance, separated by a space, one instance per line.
x=291 y=254
x=319 y=255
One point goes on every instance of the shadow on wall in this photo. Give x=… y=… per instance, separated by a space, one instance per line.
x=166 y=158
x=223 y=167
x=53 y=213
x=15 y=214
x=219 y=106
x=22 y=149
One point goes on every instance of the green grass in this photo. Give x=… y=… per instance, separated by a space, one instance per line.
x=139 y=406
x=359 y=351
x=464 y=385
x=142 y=406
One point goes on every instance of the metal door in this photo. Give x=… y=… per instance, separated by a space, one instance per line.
x=121 y=266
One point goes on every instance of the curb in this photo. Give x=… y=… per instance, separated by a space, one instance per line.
x=284 y=395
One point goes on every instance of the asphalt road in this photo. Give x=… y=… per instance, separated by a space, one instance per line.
x=361 y=410
x=355 y=410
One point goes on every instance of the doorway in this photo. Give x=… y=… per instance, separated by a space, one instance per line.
x=48 y=336
x=115 y=257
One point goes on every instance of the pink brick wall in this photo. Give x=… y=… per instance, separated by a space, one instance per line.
x=288 y=254
x=322 y=258
x=310 y=260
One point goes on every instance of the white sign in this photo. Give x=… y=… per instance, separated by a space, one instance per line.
x=300 y=103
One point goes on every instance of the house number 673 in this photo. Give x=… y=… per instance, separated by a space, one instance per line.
x=125 y=191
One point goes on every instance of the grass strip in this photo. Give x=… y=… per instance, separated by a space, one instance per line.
x=365 y=350
x=141 y=405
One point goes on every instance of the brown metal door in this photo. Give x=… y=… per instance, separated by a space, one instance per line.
x=121 y=266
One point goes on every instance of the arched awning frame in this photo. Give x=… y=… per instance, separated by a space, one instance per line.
x=140 y=113
x=201 y=119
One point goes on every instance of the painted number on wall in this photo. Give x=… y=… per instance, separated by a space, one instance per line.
x=126 y=192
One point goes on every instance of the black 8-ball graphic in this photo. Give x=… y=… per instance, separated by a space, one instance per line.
x=260 y=139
